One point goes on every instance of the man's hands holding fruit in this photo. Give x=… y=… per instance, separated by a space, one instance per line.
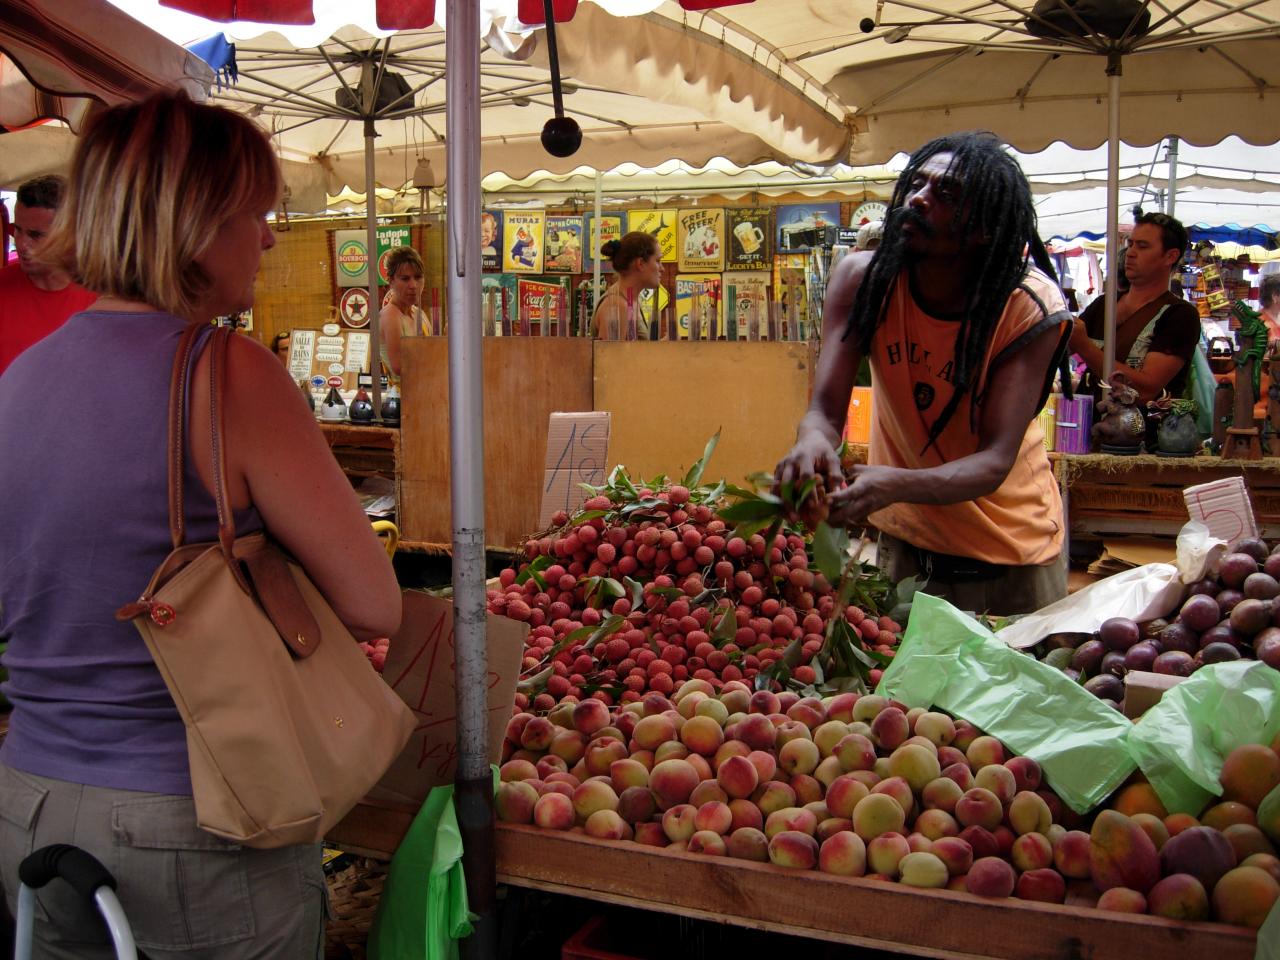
x=839 y=500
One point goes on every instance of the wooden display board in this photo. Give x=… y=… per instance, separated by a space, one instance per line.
x=668 y=398
x=525 y=380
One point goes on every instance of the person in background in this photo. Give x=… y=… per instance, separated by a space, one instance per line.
x=1156 y=331
x=402 y=315
x=1269 y=298
x=35 y=299
x=870 y=234
x=4 y=235
x=166 y=222
x=280 y=345
x=964 y=336
x=637 y=263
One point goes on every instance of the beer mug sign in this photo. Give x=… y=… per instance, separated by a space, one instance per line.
x=749 y=236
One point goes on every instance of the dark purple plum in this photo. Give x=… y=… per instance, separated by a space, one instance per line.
x=1219 y=653
x=1119 y=633
x=1227 y=600
x=1151 y=629
x=1219 y=633
x=1113 y=663
x=1088 y=656
x=1179 y=636
x=1251 y=616
x=1208 y=586
x=1235 y=568
x=1260 y=586
x=1106 y=686
x=1200 y=612
x=1141 y=656
x=1271 y=565
x=1175 y=663
x=1251 y=546
x=1267 y=646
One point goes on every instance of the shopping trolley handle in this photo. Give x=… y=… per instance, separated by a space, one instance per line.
x=81 y=870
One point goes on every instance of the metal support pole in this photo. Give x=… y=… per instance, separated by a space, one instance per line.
x=473 y=795
x=1113 y=215
x=371 y=242
x=1173 y=177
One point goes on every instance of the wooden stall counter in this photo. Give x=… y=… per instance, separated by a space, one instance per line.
x=808 y=903
x=668 y=398
x=525 y=380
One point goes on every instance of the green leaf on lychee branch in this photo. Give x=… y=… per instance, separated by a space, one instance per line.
x=756 y=508
x=597 y=591
x=830 y=546
x=726 y=628
x=534 y=569
x=532 y=686
x=694 y=476
x=608 y=628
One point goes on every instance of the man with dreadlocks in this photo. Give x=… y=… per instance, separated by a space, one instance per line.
x=963 y=336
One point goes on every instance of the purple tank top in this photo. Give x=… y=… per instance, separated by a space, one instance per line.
x=84 y=525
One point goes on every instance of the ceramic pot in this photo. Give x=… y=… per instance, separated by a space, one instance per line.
x=361 y=408
x=1178 y=435
x=391 y=406
x=334 y=407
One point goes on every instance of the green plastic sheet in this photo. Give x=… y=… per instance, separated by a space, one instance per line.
x=1269 y=936
x=1180 y=743
x=949 y=660
x=423 y=911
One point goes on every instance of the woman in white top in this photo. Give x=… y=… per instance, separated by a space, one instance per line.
x=402 y=314
x=637 y=260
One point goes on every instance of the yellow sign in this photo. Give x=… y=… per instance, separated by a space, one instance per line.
x=659 y=224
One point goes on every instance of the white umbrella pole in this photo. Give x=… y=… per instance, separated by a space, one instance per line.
x=473 y=781
x=595 y=267
x=1113 y=216
x=371 y=242
x=1173 y=176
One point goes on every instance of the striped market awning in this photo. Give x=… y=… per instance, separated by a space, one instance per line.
x=60 y=57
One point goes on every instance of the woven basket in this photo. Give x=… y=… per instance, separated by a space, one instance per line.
x=354 y=892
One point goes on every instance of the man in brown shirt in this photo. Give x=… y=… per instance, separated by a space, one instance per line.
x=1156 y=331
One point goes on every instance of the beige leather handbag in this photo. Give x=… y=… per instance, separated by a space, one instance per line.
x=288 y=725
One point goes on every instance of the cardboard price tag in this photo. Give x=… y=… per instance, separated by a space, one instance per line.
x=420 y=668
x=1223 y=506
x=577 y=451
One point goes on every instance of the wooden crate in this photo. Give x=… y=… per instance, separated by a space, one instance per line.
x=886 y=916
x=525 y=380
x=1144 y=494
x=667 y=398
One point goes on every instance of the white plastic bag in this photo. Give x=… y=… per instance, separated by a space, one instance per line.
x=1143 y=593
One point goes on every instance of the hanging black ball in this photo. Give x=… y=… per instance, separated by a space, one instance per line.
x=866 y=25
x=561 y=136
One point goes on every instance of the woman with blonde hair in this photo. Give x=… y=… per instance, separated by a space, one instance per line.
x=637 y=260
x=165 y=221
x=401 y=314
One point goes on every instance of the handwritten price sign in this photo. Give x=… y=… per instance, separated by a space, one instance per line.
x=420 y=667
x=577 y=452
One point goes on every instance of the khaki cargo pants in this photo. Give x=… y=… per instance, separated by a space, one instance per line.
x=1016 y=590
x=186 y=893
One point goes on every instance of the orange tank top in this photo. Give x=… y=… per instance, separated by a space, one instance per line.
x=1020 y=523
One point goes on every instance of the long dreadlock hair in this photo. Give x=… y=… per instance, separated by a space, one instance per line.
x=996 y=206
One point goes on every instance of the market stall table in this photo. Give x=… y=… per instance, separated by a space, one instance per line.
x=886 y=916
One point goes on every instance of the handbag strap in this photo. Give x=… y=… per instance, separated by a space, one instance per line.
x=217 y=384
x=177 y=419
x=183 y=360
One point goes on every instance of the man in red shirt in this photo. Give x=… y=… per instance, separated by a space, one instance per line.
x=35 y=299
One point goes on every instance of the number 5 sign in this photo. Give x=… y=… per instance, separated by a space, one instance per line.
x=577 y=453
